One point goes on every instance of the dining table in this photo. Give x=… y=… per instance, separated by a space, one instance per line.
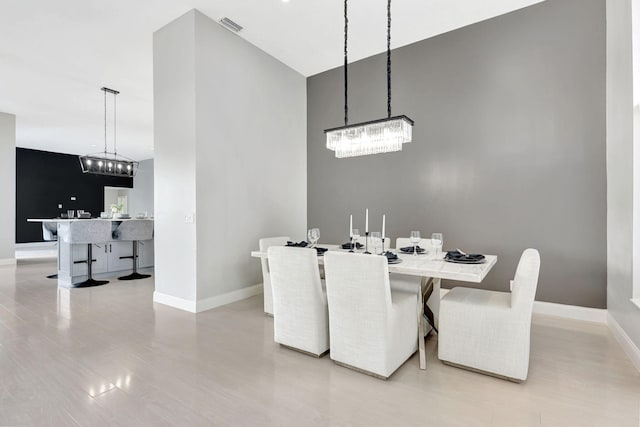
x=432 y=269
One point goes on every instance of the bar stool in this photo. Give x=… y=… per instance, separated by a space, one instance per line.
x=134 y=230
x=88 y=232
x=50 y=234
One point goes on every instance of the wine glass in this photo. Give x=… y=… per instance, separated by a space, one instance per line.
x=436 y=243
x=376 y=240
x=314 y=235
x=354 y=240
x=415 y=239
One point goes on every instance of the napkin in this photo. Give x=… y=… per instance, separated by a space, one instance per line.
x=302 y=244
x=348 y=245
x=409 y=249
x=391 y=256
x=456 y=255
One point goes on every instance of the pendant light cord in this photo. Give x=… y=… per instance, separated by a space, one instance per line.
x=115 y=150
x=389 y=58
x=105 y=123
x=346 y=65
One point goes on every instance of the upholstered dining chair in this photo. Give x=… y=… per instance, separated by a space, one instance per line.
x=372 y=328
x=265 y=244
x=300 y=318
x=489 y=331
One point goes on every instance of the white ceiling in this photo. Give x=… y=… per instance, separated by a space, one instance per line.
x=55 y=55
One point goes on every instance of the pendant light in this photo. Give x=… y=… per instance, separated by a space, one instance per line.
x=375 y=136
x=109 y=162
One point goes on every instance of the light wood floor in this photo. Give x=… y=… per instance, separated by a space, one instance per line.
x=109 y=356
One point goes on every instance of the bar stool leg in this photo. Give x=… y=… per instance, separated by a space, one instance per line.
x=135 y=275
x=90 y=281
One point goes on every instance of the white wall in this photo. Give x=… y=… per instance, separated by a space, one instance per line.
x=620 y=133
x=242 y=131
x=8 y=188
x=141 y=195
x=174 y=160
x=251 y=156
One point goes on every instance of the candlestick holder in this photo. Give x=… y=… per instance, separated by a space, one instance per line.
x=383 y=251
x=366 y=243
x=352 y=244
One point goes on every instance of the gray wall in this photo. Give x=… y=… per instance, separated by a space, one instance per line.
x=7 y=188
x=508 y=149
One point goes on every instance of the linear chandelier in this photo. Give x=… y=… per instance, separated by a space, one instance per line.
x=109 y=162
x=374 y=136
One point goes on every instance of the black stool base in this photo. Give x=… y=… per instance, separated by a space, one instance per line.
x=90 y=282
x=134 y=276
x=52 y=276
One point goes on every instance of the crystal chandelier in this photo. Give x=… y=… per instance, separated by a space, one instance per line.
x=375 y=136
x=109 y=162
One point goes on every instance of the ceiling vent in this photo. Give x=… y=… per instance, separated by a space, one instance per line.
x=230 y=25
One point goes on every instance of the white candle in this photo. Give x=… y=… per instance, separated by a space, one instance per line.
x=366 y=221
x=383 y=223
x=350 y=226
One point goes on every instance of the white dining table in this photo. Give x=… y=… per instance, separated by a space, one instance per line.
x=425 y=266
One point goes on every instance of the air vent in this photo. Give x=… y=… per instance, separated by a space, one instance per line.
x=230 y=25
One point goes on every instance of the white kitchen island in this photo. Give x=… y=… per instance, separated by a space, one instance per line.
x=111 y=259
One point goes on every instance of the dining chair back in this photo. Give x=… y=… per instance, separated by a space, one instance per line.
x=264 y=245
x=490 y=331
x=300 y=317
x=525 y=281
x=372 y=329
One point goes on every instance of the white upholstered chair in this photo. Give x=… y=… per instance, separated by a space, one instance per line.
x=490 y=331
x=373 y=329
x=265 y=244
x=300 y=318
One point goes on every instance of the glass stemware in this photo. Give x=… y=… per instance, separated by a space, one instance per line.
x=313 y=235
x=354 y=240
x=436 y=243
x=415 y=239
x=376 y=240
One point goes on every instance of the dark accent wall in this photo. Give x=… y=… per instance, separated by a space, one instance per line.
x=508 y=149
x=44 y=180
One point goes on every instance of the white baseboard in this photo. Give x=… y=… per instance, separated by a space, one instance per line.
x=228 y=298
x=625 y=342
x=175 y=302
x=207 y=303
x=598 y=315
x=575 y=312
x=7 y=261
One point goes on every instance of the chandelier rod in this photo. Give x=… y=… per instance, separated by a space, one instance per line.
x=389 y=58
x=105 y=122
x=115 y=150
x=346 y=65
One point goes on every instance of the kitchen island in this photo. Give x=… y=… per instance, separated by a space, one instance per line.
x=111 y=259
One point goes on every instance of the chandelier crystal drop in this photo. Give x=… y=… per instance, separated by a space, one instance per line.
x=381 y=136
x=375 y=136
